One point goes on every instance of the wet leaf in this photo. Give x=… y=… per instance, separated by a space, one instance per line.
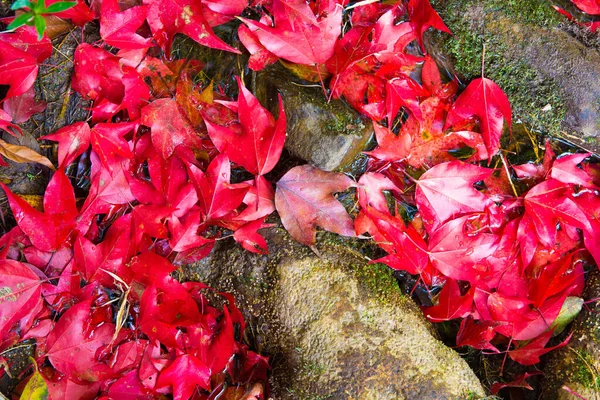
x=36 y=388
x=304 y=200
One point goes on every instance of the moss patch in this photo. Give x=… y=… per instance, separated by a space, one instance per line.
x=584 y=371
x=529 y=93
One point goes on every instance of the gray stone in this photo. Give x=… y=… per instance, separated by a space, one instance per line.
x=336 y=327
x=329 y=135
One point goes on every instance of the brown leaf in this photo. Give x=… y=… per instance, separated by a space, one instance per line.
x=22 y=154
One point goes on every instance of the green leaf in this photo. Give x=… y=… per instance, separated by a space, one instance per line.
x=570 y=309
x=59 y=7
x=20 y=4
x=38 y=6
x=40 y=26
x=19 y=21
x=36 y=388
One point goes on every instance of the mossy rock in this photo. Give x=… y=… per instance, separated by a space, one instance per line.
x=327 y=134
x=334 y=326
x=550 y=77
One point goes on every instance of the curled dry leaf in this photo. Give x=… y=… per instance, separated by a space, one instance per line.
x=22 y=154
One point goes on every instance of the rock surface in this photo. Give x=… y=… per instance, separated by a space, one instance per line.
x=577 y=366
x=551 y=78
x=329 y=135
x=336 y=327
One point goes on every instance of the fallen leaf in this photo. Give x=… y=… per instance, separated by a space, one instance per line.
x=22 y=154
x=304 y=200
x=485 y=100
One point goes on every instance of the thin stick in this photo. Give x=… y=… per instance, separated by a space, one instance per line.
x=483 y=61
x=508 y=175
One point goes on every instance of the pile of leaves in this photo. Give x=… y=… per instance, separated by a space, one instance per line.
x=503 y=248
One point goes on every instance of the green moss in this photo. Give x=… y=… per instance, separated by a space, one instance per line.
x=535 y=12
x=584 y=372
x=528 y=92
x=378 y=278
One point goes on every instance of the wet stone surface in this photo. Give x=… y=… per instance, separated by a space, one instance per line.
x=334 y=326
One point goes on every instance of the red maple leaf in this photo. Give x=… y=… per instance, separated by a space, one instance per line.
x=216 y=196
x=588 y=6
x=460 y=254
x=112 y=85
x=531 y=352
x=422 y=16
x=446 y=191
x=20 y=108
x=260 y=57
x=50 y=229
x=183 y=375
x=20 y=294
x=477 y=334
x=450 y=304
x=304 y=200
x=72 y=351
x=118 y=28
x=547 y=204
x=298 y=35
x=169 y=17
x=73 y=140
x=257 y=141
x=169 y=127
x=485 y=100
x=408 y=250
x=18 y=69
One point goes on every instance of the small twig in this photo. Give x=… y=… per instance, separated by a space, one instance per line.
x=508 y=175
x=361 y=3
x=483 y=61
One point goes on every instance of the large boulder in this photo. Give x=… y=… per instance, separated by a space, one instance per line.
x=336 y=327
x=551 y=78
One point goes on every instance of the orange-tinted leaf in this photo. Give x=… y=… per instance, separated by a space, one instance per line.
x=22 y=154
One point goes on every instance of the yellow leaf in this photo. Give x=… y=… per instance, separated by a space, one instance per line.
x=22 y=154
x=36 y=388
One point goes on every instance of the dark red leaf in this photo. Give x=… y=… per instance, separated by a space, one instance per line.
x=304 y=200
